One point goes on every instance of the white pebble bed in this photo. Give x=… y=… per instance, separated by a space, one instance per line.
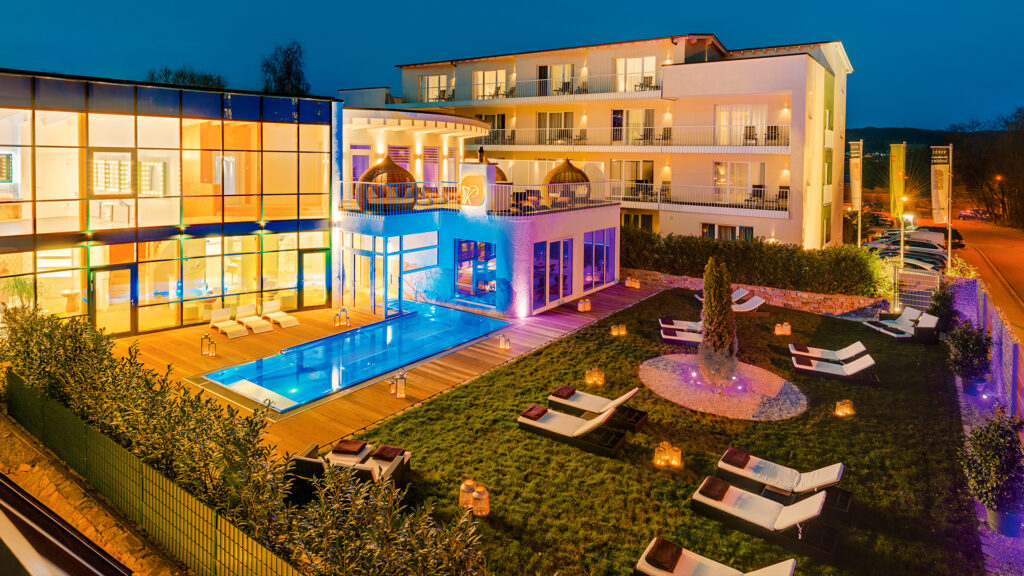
x=754 y=394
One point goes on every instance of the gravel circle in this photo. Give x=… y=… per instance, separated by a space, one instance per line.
x=754 y=393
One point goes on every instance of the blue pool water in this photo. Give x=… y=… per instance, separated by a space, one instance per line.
x=304 y=373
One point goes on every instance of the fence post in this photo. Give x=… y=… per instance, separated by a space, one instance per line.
x=1015 y=380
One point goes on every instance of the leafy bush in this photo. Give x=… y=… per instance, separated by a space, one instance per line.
x=993 y=463
x=221 y=457
x=843 y=269
x=942 y=303
x=968 y=351
x=959 y=268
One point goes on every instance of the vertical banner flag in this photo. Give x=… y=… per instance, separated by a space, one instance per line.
x=897 y=173
x=856 y=171
x=941 y=183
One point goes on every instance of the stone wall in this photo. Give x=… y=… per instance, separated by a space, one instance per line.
x=831 y=304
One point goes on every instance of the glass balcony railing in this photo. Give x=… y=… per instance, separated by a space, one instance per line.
x=764 y=135
x=639 y=82
x=664 y=196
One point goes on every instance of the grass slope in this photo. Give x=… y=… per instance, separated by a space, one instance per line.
x=556 y=508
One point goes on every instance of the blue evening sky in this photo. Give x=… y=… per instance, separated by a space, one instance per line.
x=917 y=63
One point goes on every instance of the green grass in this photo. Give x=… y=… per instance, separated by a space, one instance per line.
x=556 y=508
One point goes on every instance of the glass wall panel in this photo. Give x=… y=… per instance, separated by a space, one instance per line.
x=199 y=310
x=314 y=174
x=202 y=134
x=314 y=206
x=241 y=135
x=59 y=128
x=159 y=132
x=242 y=300
x=14 y=263
x=57 y=173
x=283 y=241
x=281 y=207
x=588 y=260
x=241 y=273
x=421 y=240
x=320 y=239
x=158 y=281
x=110 y=173
x=314 y=138
x=200 y=173
x=540 y=267
x=289 y=298
x=111 y=214
x=280 y=136
x=195 y=247
x=159 y=212
x=280 y=270
x=208 y=210
x=159 y=173
x=18 y=290
x=201 y=277
x=280 y=173
x=60 y=216
x=159 y=250
x=15 y=217
x=241 y=244
x=111 y=130
x=15 y=173
x=241 y=208
x=107 y=254
x=159 y=317
x=475 y=269
x=61 y=293
x=241 y=173
x=15 y=127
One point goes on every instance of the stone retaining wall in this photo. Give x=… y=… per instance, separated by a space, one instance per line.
x=832 y=304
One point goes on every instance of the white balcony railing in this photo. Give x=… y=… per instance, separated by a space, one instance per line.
x=382 y=199
x=577 y=85
x=747 y=197
x=774 y=135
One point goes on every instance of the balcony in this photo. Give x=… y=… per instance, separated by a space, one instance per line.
x=747 y=139
x=752 y=200
x=638 y=85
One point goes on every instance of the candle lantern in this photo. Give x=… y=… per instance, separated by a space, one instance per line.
x=400 y=384
x=204 y=345
x=594 y=377
x=668 y=456
x=588 y=305
x=615 y=329
x=504 y=343
x=844 y=408
x=622 y=329
x=466 y=493
x=337 y=319
x=213 y=347
x=581 y=305
x=481 y=502
x=783 y=329
x=392 y=385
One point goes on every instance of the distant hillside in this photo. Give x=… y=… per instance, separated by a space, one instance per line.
x=878 y=139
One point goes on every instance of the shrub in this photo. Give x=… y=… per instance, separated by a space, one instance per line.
x=993 y=463
x=959 y=268
x=942 y=302
x=968 y=351
x=717 y=350
x=842 y=269
x=222 y=458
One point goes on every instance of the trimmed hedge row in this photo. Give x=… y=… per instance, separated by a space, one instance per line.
x=843 y=269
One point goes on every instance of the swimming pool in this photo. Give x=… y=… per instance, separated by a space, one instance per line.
x=304 y=373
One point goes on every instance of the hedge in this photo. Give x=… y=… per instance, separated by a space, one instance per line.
x=844 y=269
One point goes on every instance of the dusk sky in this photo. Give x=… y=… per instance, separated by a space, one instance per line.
x=916 y=63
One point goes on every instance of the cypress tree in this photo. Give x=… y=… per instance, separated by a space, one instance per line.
x=717 y=352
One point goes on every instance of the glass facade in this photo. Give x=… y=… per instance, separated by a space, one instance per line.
x=476 y=272
x=145 y=208
x=381 y=273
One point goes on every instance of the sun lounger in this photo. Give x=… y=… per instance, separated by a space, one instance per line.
x=692 y=564
x=842 y=355
x=246 y=315
x=748 y=306
x=683 y=325
x=786 y=525
x=682 y=337
x=737 y=295
x=590 y=435
x=927 y=328
x=850 y=370
x=272 y=311
x=889 y=329
x=782 y=479
x=583 y=402
x=220 y=320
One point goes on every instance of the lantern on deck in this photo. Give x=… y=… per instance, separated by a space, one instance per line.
x=504 y=343
x=466 y=493
x=668 y=456
x=844 y=408
x=400 y=384
x=204 y=345
x=481 y=502
x=783 y=329
x=213 y=347
x=594 y=377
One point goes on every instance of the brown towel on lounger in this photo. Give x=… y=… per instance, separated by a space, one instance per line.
x=564 y=392
x=736 y=457
x=664 y=555
x=714 y=488
x=349 y=447
x=388 y=453
x=801 y=361
x=534 y=412
x=801 y=348
x=666 y=320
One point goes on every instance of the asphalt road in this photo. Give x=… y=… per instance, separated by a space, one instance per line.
x=998 y=253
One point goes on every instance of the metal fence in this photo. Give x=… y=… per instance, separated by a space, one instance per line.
x=914 y=288
x=191 y=531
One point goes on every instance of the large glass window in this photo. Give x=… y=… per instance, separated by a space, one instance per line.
x=198 y=133
x=111 y=131
x=15 y=127
x=598 y=258
x=59 y=128
x=159 y=132
x=433 y=88
x=241 y=135
x=540 y=262
x=282 y=137
x=635 y=74
x=475 y=271
x=488 y=84
x=280 y=173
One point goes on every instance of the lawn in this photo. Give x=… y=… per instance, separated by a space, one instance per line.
x=556 y=508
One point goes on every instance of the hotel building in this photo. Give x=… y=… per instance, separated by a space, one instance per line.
x=731 y=144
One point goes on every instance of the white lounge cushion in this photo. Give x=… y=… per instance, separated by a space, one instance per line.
x=761 y=511
x=592 y=402
x=555 y=422
x=854 y=367
x=840 y=355
x=737 y=294
x=928 y=321
x=801 y=511
x=594 y=424
x=220 y=315
x=689 y=564
x=684 y=325
x=749 y=306
x=778 y=476
x=677 y=336
x=819 y=478
x=349 y=460
x=784 y=568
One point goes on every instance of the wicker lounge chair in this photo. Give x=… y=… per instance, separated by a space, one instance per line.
x=842 y=355
x=757 y=472
x=272 y=311
x=680 y=337
x=901 y=327
x=791 y=525
x=692 y=564
x=737 y=295
x=589 y=435
x=246 y=315
x=221 y=321
x=684 y=325
x=856 y=369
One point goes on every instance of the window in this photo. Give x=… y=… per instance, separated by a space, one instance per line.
x=475 y=271
x=598 y=258
x=747 y=233
x=634 y=126
x=742 y=125
x=540 y=251
x=556 y=79
x=112 y=174
x=740 y=183
x=554 y=127
x=707 y=230
x=497 y=135
x=488 y=84
x=726 y=232
x=635 y=74
x=637 y=177
x=641 y=221
x=434 y=88
x=559 y=280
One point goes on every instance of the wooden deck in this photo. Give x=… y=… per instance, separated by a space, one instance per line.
x=349 y=412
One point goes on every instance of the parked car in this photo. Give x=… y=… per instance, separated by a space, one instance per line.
x=958 y=239
x=894 y=244
x=975 y=214
x=914 y=264
x=939 y=261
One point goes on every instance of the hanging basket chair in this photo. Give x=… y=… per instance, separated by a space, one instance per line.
x=386 y=187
